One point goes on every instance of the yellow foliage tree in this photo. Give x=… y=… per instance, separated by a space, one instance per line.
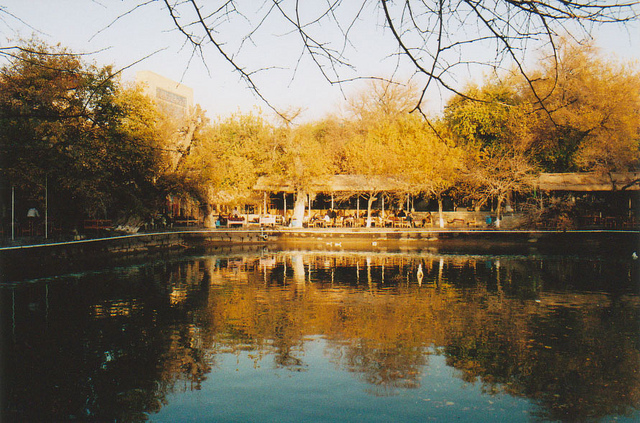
x=589 y=118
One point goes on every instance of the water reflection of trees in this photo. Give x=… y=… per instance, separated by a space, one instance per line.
x=104 y=347
x=492 y=317
x=513 y=325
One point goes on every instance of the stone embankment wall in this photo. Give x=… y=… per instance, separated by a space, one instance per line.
x=610 y=243
x=32 y=261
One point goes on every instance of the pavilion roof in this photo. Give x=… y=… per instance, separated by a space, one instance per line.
x=334 y=183
x=583 y=181
x=589 y=181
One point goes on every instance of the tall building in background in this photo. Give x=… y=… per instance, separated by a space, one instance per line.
x=172 y=97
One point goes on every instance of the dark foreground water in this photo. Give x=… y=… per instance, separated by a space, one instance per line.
x=326 y=336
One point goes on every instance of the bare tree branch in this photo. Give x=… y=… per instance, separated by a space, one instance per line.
x=435 y=39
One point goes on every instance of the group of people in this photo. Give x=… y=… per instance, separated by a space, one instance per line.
x=331 y=218
x=327 y=219
x=158 y=221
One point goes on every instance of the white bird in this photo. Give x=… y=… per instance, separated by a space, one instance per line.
x=420 y=274
x=634 y=256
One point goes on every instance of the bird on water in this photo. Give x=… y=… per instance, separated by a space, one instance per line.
x=420 y=274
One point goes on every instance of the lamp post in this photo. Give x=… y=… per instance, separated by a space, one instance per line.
x=13 y=213
x=46 y=207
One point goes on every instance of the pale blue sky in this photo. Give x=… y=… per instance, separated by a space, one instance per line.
x=76 y=24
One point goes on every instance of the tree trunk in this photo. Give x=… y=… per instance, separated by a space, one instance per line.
x=209 y=221
x=440 y=215
x=478 y=205
x=298 y=210
x=298 y=268
x=498 y=208
x=184 y=142
x=370 y=201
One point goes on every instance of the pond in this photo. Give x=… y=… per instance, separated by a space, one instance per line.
x=292 y=336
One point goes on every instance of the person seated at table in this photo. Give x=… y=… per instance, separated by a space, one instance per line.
x=332 y=215
x=315 y=220
x=168 y=220
x=388 y=219
x=427 y=220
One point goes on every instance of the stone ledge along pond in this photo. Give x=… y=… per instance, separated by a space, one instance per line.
x=323 y=329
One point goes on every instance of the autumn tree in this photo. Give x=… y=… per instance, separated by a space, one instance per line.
x=493 y=126
x=381 y=132
x=305 y=158
x=180 y=133
x=382 y=99
x=137 y=155
x=390 y=142
x=591 y=115
x=493 y=173
x=227 y=157
x=430 y=163
x=369 y=156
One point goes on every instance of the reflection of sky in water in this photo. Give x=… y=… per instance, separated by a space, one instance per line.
x=326 y=336
x=238 y=390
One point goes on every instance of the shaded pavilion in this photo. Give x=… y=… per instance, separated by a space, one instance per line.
x=338 y=187
x=614 y=197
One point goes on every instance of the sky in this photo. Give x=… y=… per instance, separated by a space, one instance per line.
x=127 y=40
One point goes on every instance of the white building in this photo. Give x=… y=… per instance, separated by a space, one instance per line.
x=172 y=97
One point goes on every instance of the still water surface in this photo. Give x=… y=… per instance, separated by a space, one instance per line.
x=326 y=336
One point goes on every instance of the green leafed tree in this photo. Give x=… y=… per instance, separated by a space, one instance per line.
x=492 y=124
x=227 y=157
x=68 y=125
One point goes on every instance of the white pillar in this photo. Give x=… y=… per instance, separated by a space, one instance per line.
x=264 y=202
